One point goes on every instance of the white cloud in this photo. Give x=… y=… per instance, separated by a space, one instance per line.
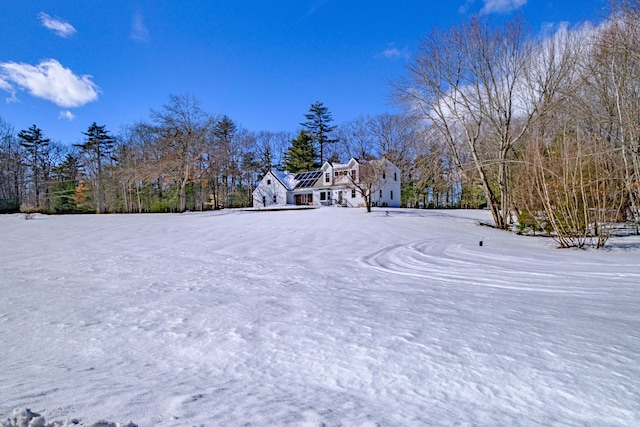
x=465 y=7
x=61 y=28
x=49 y=80
x=5 y=85
x=501 y=6
x=66 y=115
x=392 y=52
x=139 y=31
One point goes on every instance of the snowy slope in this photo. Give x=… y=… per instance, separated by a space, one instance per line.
x=319 y=317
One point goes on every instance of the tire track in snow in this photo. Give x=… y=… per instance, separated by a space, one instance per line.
x=453 y=261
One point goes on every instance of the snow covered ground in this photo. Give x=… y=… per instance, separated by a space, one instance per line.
x=319 y=317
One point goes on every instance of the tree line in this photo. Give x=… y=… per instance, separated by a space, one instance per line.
x=181 y=158
x=541 y=129
x=545 y=127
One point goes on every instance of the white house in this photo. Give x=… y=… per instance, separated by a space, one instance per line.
x=333 y=184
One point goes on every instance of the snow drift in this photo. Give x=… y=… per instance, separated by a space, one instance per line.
x=318 y=317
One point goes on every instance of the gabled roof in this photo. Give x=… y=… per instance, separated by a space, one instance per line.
x=309 y=179
x=286 y=179
x=350 y=163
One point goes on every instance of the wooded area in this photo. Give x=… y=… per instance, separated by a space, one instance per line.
x=543 y=130
x=545 y=127
x=181 y=158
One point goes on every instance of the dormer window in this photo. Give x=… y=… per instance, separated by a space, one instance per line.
x=327 y=177
x=268 y=182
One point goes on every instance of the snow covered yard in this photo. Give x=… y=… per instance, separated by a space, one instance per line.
x=319 y=317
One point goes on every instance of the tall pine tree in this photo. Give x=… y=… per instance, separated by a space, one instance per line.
x=301 y=156
x=318 y=127
x=226 y=165
x=37 y=159
x=97 y=148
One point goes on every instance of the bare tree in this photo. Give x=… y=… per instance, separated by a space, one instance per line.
x=182 y=127
x=395 y=137
x=356 y=139
x=368 y=178
x=612 y=79
x=227 y=149
x=473 y=84
x=431 y=178
x=577 y=187
x=11 y=169
x=270 y=149
x=243 y=175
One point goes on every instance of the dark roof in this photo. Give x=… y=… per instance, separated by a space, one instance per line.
x=307 y=179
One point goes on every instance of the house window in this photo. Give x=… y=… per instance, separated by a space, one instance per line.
x=268 y=182
x=327 y=177
x=353 y=174
x=323 y=195
x=353 y=193
x=391 y=194
x=395 y=176
x=275 y=199
x=384 y=175
x=381 y=194
x=264 y=200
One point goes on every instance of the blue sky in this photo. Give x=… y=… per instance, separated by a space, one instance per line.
x=65 y=64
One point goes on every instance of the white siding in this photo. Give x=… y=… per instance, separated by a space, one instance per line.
x=390 y=187
x=270 y=191
x=339 y=181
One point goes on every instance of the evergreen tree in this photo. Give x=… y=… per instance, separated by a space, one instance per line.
x=224 y=129
x=265 y=162
x=37 y=159
x=301 y=155
x=318 y=127
x=63 y=190
x=97 y=148
x=226 y=166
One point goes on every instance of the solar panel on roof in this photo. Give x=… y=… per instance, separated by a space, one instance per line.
x=308 y=175
x=307 y=179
